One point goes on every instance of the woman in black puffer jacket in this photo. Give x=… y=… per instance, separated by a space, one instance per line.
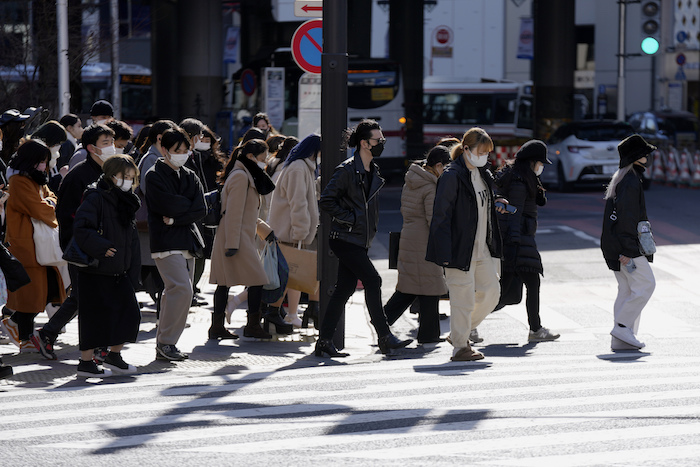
x=519 y=182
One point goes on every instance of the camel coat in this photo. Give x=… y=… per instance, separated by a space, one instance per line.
x=29 y=199
x=294 y=206
x=416 y=275
x=240 y=207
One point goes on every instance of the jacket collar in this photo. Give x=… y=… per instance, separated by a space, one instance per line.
x=377 y=180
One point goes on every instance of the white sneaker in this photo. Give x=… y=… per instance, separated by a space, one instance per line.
x=626 y=335
x=542 y=334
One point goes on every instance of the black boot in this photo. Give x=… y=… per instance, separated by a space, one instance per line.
x=326 y=346
x=253 y=328
x=390 y=341
x=217 y=330
x=5 y=370
x=272 y=315
x=311 y=312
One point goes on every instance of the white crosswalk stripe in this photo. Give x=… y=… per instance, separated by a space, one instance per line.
x=541 y=410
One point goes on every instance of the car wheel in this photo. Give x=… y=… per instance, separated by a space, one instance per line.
x=562 y=185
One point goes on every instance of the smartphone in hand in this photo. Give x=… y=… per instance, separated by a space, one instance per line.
x=507 y=207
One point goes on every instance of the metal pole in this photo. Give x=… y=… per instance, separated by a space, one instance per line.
x=621 y=63
x=63 y=78
x=116 y=90
x=334 y=118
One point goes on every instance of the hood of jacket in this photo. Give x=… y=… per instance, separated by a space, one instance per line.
x=417 y=177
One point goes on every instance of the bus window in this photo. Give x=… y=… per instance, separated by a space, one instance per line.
x=525 y=118
x=371 y=89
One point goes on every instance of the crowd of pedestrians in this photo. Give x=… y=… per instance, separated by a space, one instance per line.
x=134 y=206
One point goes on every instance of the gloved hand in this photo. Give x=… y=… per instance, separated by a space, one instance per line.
x=231 y=251
x=271 y=237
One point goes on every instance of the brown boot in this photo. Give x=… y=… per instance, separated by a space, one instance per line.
x=253 y=328
x=467 y=354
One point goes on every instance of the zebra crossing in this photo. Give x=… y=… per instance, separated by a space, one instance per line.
x=626 y=408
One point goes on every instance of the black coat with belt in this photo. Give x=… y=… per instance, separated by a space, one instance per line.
x=619 y=235
x=522 y=189
x=453 y=227
x=354 y=213
x=99 y=226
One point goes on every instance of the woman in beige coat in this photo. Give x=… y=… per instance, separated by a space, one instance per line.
x=30 y=198
x=294 y=212
x=234 y=259
x=419 y=278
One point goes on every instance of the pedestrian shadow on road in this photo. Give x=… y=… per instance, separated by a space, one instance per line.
x=508 y=350
x=624 y=356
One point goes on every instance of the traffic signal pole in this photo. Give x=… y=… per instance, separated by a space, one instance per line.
x=621 y=62
x=334 y=117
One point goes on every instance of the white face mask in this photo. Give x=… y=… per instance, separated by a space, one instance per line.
x=0 y=145
x=102 y=122
x=124 y=185
x=261 y=165
x=477 y=161
x=201 y=146
x=538 y=170
x=54 y=156
x=178 y=160
x=107 y=152
x=118 y=150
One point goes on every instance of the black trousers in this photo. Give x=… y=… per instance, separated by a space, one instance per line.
x=68 y=309
x=428 y=315
x=221 y=298
x=532 y=301
x=354 y=264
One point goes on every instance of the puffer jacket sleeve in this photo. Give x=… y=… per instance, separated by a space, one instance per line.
x=517 y=194
x=440 y=239
x=336 y=189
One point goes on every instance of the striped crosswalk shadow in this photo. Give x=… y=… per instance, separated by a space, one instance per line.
x=540 y=410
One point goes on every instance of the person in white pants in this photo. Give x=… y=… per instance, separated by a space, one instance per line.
x=625 y=209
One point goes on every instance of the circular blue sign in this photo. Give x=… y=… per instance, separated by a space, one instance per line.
x=682 y=36
x=680 y=59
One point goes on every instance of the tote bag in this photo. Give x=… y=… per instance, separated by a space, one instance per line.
x=48 y=250
x=302 y=269
x=269 y=262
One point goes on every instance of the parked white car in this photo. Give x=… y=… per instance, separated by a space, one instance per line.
x=584 y=152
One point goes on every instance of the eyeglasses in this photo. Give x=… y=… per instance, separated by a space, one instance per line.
x=379 y=140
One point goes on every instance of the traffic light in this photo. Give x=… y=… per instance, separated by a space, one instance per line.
x=651 y=26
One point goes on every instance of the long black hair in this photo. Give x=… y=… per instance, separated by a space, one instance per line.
x=362 y=131
x=254 y=147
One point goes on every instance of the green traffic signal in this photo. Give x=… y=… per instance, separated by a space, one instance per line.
x=650 y=46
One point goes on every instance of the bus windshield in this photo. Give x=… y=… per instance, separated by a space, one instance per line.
x=371 y=87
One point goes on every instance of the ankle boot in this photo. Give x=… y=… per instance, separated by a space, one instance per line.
x=390 y=341
x=312 y=313
x=272 y=315
x=326 y=346
x=252 y=327
x=217 y=330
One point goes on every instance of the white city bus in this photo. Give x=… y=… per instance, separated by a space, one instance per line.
x=375 y=91
x=453 y=105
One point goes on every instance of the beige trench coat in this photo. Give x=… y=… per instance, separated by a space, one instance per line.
x=240 y=206
x=416 y=275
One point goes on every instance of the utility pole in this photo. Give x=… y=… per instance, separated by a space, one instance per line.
x=334 y=117
x=63 y=76
x=116 y=90
x=621 y=62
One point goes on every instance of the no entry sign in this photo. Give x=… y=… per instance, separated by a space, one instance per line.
x=307 y=46
x=248 y=82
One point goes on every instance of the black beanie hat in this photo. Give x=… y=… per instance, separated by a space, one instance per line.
x=632 y=149
x=534 y=150
x=101 y=107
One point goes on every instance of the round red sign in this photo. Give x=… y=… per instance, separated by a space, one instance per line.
x=442 y=36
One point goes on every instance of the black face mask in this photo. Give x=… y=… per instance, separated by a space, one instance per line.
x=377 y=150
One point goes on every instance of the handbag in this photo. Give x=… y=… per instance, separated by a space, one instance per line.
x=46 y=244
x=269 y=260
x=647 y=246
x=394 y=239
x=272 y=296
x=77 y=257
x=302 y=268
x=15 y=274
x=3 y=289
x=213 y=217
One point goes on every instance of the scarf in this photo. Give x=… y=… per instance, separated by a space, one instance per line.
x=263 y=183
x=126 y=202
x=42 y=178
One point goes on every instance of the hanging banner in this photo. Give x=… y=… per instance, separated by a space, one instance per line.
x=526 y=43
